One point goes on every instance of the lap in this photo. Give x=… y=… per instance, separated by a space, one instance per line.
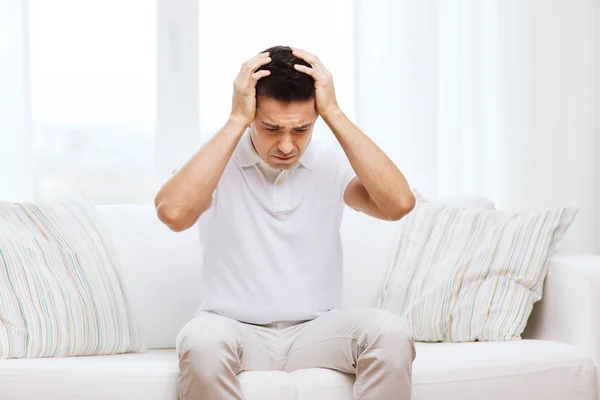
x=333 y=340
x=358 y=324
x=336 y=339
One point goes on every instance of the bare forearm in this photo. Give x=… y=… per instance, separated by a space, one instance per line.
x=384 y=182
x=188 y=193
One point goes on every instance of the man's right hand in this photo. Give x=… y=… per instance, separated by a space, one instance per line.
x=244 y=88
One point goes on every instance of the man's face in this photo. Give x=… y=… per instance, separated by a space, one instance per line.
x=281 y=131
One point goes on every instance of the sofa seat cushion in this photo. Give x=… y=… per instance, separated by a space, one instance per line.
x=525 y=369
x=151 y=375
x=511 y=370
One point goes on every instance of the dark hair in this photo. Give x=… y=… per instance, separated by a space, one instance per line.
x=285 y=83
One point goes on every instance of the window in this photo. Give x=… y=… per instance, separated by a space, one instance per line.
x=93 y=67
x=96 y=67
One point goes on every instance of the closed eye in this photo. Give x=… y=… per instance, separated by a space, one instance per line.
x=302 y=130
x=271 y=130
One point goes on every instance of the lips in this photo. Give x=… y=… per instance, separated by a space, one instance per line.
x=284 y=158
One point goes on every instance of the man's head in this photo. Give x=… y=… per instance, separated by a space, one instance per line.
x=285 y=110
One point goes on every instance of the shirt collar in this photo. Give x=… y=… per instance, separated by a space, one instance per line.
x=247 y=156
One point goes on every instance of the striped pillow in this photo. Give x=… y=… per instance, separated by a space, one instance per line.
x=465 y=274
x=60 y=294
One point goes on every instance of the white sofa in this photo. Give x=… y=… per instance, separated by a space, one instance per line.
x=161 y=270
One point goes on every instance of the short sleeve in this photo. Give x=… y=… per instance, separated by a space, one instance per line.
x=345 y=173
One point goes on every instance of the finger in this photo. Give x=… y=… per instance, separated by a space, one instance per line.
x=260 y=55
x=250 y=67
x=256 y=64
x=307 y=70
x=305 y=55
x=253 y=60
x=260 y=74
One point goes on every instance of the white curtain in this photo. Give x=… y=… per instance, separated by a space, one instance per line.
x=497 y=98
x=15 y=110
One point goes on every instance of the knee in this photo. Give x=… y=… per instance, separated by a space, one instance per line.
x=392 y=333
x=207 y=340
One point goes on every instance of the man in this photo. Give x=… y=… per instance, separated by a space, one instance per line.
x=268 y=200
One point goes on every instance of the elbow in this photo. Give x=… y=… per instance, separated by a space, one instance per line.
x=170 y=217
x=177 y=214
x=403 y=207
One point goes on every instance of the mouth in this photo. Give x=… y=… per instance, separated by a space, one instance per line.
x=284 y=158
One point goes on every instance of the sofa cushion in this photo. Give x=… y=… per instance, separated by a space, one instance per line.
x=518 y=369
x=522 y=369
x=60 y=294
x=150 y=376
x=369 y=244
x=160 y=268
x=463 y=274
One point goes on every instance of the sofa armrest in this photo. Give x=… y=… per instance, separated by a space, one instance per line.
x=569 y=311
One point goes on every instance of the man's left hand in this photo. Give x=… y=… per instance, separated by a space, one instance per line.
x=326 y=101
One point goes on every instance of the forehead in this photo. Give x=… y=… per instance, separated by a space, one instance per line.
x=283 y=113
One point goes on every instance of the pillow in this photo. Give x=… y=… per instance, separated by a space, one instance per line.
x=463 y=274
x=60 y=294
x=472 y=201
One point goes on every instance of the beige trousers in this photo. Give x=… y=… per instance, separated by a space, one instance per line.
x=373 y=344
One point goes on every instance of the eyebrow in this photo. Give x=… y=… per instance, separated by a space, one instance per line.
x=273 y=126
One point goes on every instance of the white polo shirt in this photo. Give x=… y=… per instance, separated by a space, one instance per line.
x=272 y=251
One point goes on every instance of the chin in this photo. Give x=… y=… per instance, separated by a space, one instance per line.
x=281 y=166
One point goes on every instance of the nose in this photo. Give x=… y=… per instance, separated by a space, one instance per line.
x=285 y=145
